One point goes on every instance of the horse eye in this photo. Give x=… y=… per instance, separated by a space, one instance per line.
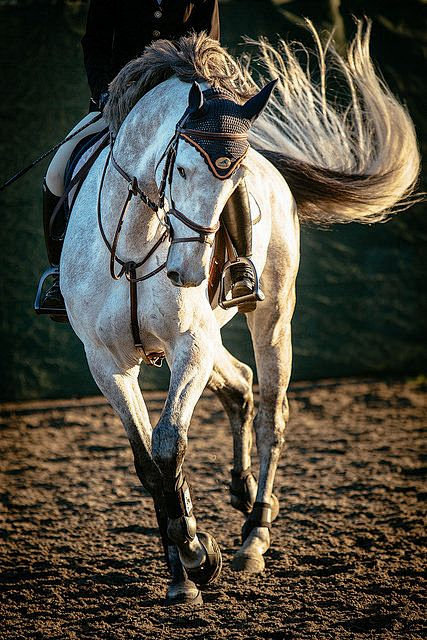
x=181 y=172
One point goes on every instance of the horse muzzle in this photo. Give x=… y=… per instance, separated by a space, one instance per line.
x=178 y=281
x=187 y=264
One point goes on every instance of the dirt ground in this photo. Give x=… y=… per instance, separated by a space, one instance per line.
x=81 y=558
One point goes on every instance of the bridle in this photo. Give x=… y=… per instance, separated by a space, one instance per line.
x=205 y=235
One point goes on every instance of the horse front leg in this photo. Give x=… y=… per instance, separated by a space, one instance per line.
x=121 y=388
x=192 y=361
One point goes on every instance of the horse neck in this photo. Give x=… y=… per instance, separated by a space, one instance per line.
x=138 y=148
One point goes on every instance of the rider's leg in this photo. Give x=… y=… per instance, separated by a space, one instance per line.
x=53 y=298
x=236 y=217
x=53 y=188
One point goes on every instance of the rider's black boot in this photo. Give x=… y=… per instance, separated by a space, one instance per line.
x=53 y=297
x=52 y=303
x=236 y=217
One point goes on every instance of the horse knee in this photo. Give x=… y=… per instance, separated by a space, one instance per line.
x=237 y=397
x=270 y=421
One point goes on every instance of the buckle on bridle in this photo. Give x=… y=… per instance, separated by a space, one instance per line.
x=133 y=186
x=129 y=270
x=156 y=359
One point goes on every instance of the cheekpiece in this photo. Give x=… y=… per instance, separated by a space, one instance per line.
x=219 y=132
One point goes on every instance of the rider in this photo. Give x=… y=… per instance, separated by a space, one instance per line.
x=117 y=32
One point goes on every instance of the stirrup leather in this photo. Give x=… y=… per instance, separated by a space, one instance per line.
x=38 y=308
x=256 y=296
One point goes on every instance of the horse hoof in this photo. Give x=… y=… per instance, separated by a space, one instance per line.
x=248 y=563
x=210 y=570
x=183 y=593
x=275 y=507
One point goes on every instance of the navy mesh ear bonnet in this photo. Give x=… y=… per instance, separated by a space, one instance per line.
x=219 y=114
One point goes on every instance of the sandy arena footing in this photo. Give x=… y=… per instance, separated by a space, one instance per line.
x=81 y=557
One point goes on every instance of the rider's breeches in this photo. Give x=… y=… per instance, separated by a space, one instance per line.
x=56 y=170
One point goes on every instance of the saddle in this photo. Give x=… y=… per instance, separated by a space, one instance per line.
x=81 y=160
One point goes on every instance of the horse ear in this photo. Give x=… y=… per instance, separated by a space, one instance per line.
x=195 y=98
x=254 y=106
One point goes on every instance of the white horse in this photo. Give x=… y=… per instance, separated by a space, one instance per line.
x=355 y=163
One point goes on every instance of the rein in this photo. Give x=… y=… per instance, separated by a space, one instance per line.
x=128 y=268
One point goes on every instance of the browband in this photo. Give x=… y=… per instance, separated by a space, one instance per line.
x=221 y=176
x=211 y=135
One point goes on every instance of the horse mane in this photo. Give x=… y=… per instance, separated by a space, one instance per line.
x=350 y=162
x=192 y=57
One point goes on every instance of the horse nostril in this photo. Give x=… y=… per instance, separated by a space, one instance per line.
x=174 y=277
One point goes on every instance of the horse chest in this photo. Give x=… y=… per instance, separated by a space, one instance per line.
x=163 y=313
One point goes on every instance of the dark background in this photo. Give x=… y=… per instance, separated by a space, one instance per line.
x=361 y=306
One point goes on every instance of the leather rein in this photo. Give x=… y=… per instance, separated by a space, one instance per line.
x=127 y=267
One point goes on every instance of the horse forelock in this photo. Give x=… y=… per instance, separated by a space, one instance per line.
x=192 y=57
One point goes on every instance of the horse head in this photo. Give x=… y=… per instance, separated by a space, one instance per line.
x=214 y=129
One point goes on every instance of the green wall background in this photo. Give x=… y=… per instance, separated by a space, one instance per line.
x=361 y=307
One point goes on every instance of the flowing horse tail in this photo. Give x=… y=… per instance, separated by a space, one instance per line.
x=352 y=162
